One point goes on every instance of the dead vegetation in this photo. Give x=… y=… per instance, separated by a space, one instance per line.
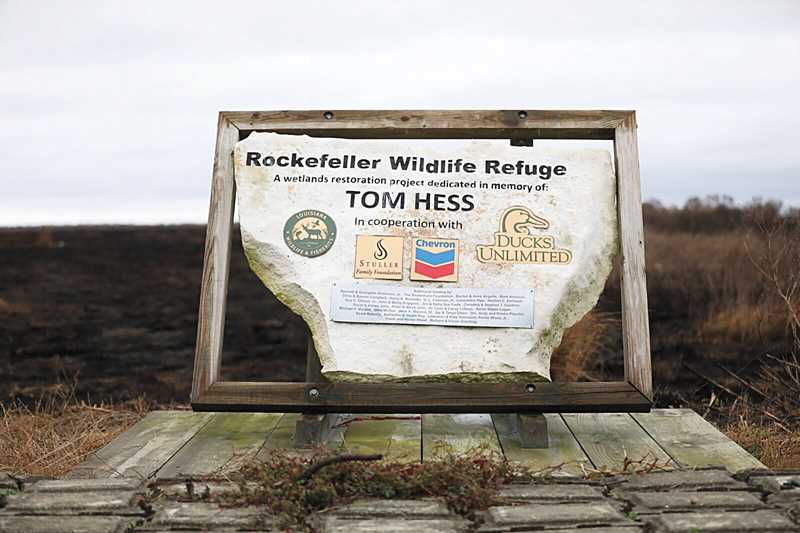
x=57 y=432
x=773 y=446
x=465 y=482
x=722 y=285
x=292 y=487
x=587 y=347
x=724 y=298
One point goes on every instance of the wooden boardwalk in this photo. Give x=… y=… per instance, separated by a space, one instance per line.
x=173 y=444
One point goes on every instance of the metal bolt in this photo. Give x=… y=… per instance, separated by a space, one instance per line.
x=328 y=115
x=530 y=387
x=522 y=114
x=313 y=394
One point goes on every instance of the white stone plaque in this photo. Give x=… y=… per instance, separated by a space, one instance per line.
x=466 y=216
x=430 y=306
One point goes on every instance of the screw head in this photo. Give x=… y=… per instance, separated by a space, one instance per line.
x=328 y=115
x=530 y=387
x=313 y=393
x=522 y=114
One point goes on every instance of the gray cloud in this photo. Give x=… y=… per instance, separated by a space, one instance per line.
x=108 y=109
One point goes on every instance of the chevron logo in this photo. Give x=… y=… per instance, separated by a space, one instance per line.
x=435 y=259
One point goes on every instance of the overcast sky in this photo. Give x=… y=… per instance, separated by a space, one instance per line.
x=108 y=109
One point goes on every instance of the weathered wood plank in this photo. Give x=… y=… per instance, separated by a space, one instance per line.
x=422 y=397
x=611 y=437
x=226 y=439
x=563 y=449
x=216 y=263
x=282 y=436
x=453 y=124
x=457 y=433
x=145 y=447
x=635 y=321
x=693 y=441
x=397 y=439
x=443 y=133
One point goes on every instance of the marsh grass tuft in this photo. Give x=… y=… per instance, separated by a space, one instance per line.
x=56 y=432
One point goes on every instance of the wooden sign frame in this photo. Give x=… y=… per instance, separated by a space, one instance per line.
x=520 y=126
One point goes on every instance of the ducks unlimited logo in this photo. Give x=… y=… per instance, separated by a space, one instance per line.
x=516 y=242
x=309 y=233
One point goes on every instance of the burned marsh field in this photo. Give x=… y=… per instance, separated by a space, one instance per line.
x=113 y=310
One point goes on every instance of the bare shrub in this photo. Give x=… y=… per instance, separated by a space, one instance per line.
x=777 y=260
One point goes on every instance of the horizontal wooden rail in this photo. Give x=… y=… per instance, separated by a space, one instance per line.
x=615 y=396
x=443 y=133
x=411 y=124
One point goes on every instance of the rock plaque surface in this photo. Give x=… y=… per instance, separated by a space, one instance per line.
x=335 y=228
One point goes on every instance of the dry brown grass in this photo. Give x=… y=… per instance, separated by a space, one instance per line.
x=764 y=439
x=585 y=347
x=710 y=282
x=724 y=298
x=729 y=272
x=743 y=322
x=9 y=308
x=57 y=432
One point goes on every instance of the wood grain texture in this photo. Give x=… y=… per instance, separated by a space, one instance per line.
x=422 y=397
x=220 y=445
x=608 y=439
x=216 y=262
x=434 y=124
x=635 y=321
x=145 y=447
x=454 y=433
x=694 y=442
x=563 y=450
x=397 y=439
x=180 y=437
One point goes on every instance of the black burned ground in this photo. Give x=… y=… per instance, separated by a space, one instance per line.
x=115 y=310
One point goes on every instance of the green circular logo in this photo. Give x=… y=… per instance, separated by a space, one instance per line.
x=309 y=233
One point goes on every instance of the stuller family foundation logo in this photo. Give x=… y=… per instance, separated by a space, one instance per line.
x=516 y=242
x=378 y=257
x=309 y=233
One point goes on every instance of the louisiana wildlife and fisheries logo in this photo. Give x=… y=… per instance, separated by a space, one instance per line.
x=519 y=241
x=309 y=233
x=435 y=259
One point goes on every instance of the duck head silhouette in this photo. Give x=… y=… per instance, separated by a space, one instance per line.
x=520 y=220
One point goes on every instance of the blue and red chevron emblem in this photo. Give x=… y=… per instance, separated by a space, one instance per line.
x=435 y=260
